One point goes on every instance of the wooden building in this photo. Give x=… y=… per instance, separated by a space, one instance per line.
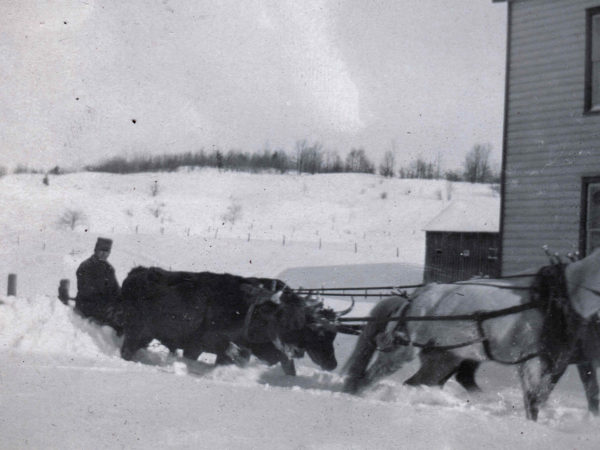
x=551 y=149
x=463 y=241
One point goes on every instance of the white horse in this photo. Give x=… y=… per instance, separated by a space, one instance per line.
x=543 y=323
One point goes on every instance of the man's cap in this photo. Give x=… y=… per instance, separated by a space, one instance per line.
x=103 y=244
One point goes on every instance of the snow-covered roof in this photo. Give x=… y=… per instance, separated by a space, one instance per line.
x=477 y=215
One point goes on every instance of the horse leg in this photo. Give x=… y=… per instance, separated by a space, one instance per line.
x=359 y=361
x=387 y=363
x=357 y=364
x=587 y=374
x=356 y=367
x=436 y=367
x=465 y=375
x=537 y=380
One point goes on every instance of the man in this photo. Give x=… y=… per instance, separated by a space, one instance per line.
x=98 y=292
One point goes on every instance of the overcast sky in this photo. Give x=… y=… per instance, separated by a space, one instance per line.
x=425 y=77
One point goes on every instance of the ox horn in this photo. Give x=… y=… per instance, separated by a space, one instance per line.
x=312 y=301
x=347 y=310
x=276 y=297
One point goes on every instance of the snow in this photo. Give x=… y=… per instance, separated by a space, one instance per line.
x=475 y=215
x=63 y=384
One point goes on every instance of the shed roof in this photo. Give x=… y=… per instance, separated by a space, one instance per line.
x=477 y=215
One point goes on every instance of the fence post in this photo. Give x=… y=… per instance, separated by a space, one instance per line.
x=63 y=290
x=12 y=285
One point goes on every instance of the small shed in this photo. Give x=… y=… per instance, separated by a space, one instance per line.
x=463 y=241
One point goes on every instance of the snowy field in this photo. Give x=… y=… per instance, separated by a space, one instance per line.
x=64 y=386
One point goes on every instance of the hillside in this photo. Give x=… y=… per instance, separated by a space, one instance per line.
x=252 y=224
x=65 y=386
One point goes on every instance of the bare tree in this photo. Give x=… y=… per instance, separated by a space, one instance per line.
x=477 y=164
x=71 y=218
x=332 y=162
x=309 y=158
x=357 y=161
x=233 y=213
x=387 y=166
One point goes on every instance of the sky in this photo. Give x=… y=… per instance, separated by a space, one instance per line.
x=85 y=80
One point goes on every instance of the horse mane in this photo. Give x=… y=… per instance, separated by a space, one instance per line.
x=561 y=322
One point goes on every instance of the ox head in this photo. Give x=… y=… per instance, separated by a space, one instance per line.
x=296 y=325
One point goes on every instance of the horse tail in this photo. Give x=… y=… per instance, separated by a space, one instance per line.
x=356 y=366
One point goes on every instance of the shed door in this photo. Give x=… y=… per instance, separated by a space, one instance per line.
x=478 y=255
x=460 y=256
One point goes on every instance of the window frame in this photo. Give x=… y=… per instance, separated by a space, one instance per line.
x=583 y=229
x=588 y=108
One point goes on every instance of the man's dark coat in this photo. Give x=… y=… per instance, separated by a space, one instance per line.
x=98 y=292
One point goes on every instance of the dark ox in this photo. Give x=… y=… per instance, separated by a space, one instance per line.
x=227 y=315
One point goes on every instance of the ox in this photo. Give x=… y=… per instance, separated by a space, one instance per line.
x=227 y=315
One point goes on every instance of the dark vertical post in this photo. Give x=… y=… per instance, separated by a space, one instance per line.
x=63 y=290
x=12 y=284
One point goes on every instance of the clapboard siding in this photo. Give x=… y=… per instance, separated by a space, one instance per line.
x=550 y=144
x=526 y=77
x=523 y=208
x=558 y=165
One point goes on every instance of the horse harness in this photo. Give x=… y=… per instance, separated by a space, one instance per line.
x=399 y=335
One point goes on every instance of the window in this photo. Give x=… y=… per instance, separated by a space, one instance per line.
x=591 y=214
x=592 y=73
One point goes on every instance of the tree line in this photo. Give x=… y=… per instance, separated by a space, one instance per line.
x=306 y=158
